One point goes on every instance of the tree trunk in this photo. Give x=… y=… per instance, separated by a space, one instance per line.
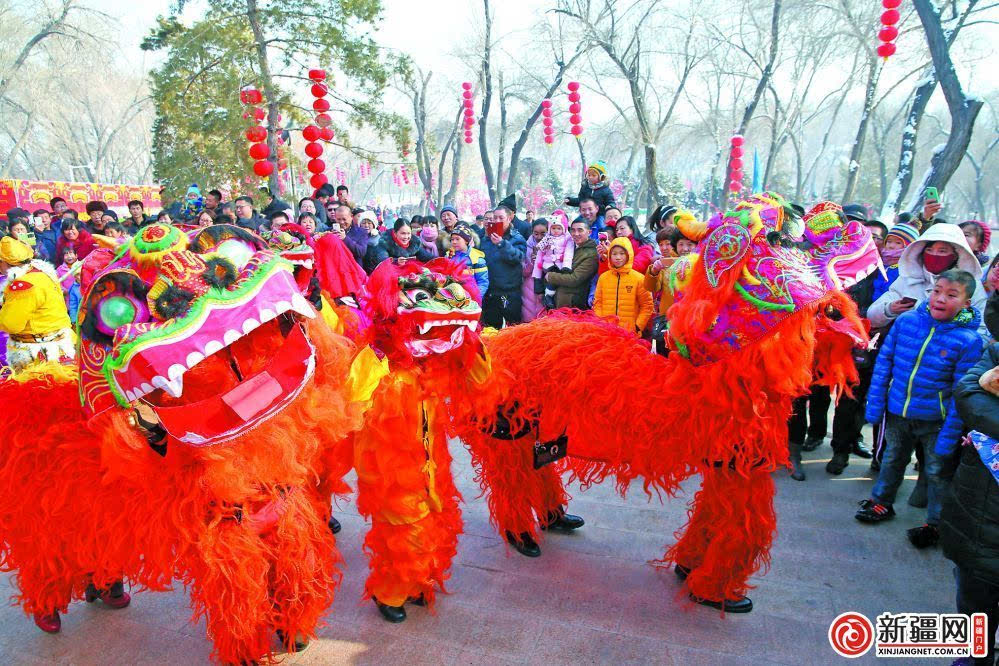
x=487 y=98
x=452 y=140
x=857 y=149
x=260 y=42
x=502 y=136
x=963 y=109
x=907 y=154
x=761 y=86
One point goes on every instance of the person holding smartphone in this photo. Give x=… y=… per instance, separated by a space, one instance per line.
x=938 y=249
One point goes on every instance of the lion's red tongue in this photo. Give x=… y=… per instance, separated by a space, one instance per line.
x=225 y=416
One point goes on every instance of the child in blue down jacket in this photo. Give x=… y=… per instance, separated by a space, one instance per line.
x=462 y=252
x=925 y=354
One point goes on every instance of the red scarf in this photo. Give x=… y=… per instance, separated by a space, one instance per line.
x=400 y=243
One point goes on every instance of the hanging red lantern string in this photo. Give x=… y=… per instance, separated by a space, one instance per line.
x=546 y=120
x=735 y=174
x=468 y=104
x=256 y=134
x=575 y=117
x=313 y=133
x=888 y=32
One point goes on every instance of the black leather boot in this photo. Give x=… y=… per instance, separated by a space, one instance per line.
x=740 y=605
x=394 y=614
x=301 y=642
x=524 y=544
x=334 y=525
x=797 y=471
x=560 y=520
x=681 y=571
x=838 y=463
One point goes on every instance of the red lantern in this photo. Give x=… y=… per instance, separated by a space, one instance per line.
x=256 y=133
x=885 y=50
x=319 y=90
x=575 y=108
x=469 y=112
x=549 y=140
x=891 y=4
x=736 y=175
x=573 y=86
x=575 y=119
x=316 y=166
x=310 y=133
x=260 y=151
x=326 y=134
x=574 y=97
x=466 y=85
x=250 y=96
x=546 y=104
x=259 y=114
x=735 y=186
x=468 y=138
x=317 y=74
x=467 y=94
x=737 y=151
x=263 y=168
x=576 y=130
x=313 y=149
x=737 y=140
x=549 y=130
x=324 y=120
x=890 y=17
x=469 y=122
x=888 y=33
x=321 y=105
x=318 y=180
x=735 y=164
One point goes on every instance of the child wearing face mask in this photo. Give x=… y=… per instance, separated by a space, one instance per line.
x=555 y=253
x=897 y=239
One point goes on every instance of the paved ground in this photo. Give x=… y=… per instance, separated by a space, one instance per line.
x=591 y=598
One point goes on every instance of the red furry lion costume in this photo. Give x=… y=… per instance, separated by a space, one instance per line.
x=752 y=307
x=211 y=395
x=424 y=321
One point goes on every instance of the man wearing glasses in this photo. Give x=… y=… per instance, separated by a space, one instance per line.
x=246 y=217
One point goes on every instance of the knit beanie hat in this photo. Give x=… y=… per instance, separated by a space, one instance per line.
x=449 y=209
x=986 y=234
x=464 y=233
x=600 y=167
x=904 y=232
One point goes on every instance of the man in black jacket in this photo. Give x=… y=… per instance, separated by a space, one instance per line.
x=969 y=521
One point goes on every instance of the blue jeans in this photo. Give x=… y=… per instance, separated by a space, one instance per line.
x=902 y=437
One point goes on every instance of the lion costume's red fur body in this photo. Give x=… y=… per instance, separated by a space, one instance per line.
x=633 y=415
x=243 y=525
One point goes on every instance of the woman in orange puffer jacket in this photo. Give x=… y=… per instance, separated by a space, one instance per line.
x=621 y=290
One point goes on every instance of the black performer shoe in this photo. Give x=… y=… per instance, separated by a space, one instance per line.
x=681 y=571
x=417 y=601
x=560 y=520
x=394 y=614
x=838 y=463
x=334 y=525
x=860 y=450
x=301 y=642
x=740 y=605
x=525 y=545
x=812 y=443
